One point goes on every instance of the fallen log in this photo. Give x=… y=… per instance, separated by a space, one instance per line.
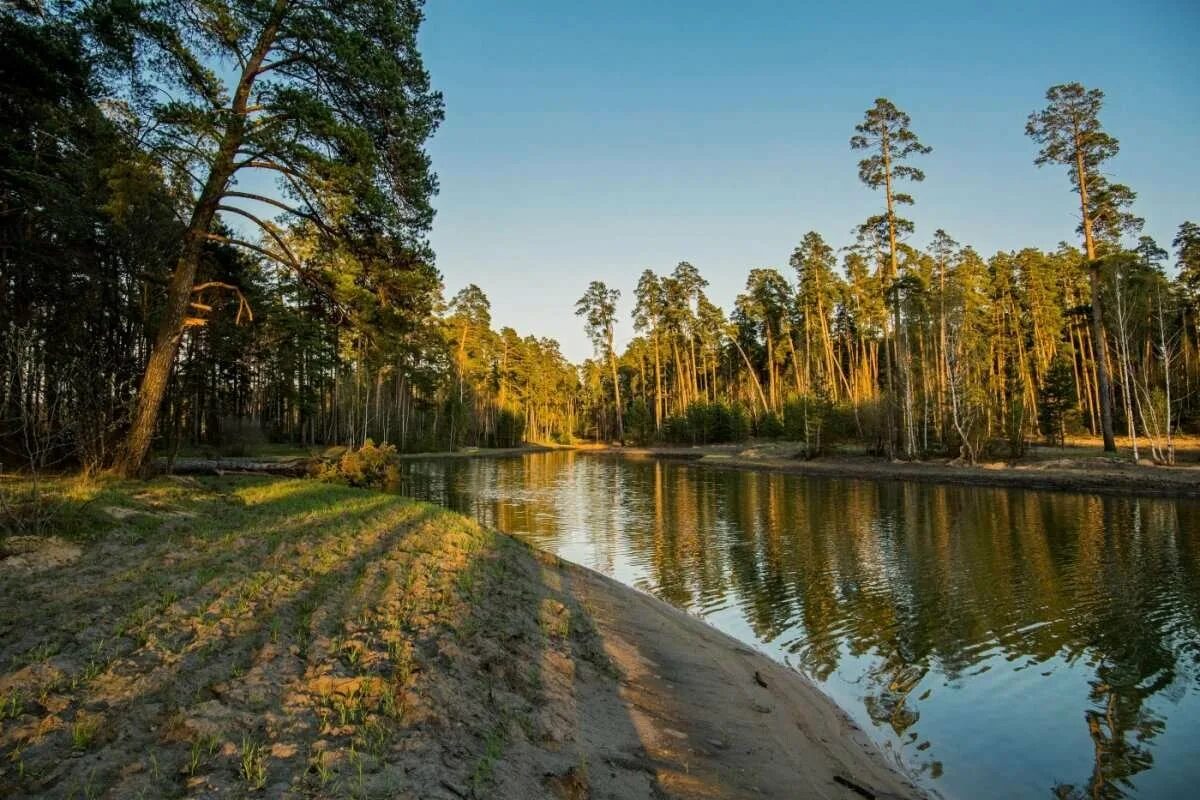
x=221 y=466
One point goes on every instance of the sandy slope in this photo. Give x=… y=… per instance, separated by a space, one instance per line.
x=716 y=719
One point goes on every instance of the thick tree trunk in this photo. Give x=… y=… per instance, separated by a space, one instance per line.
x=179 y=289
x=170 y=333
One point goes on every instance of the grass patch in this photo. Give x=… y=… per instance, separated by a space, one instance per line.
x=83 y=732
x=493 y=748
x=253 y=767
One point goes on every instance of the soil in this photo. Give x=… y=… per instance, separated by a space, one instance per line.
x=265 y=637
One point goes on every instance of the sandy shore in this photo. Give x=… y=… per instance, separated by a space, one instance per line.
x=715 y=718
x=267 y=637
x=1076 y=474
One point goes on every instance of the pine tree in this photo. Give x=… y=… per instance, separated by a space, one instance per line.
x=1070 y=133
x=1056 y=399
x=886 y=132
x=598 y=307
x=329 y=97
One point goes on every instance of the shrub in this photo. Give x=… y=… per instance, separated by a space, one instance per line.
x=769 y=426
x=370 y=465
x=510 y=428
x=706 y=423
x=26 y=507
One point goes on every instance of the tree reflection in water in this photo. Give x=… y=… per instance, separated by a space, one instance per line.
x=1025 y=640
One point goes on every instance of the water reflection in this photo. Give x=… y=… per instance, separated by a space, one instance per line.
x=1004 y=642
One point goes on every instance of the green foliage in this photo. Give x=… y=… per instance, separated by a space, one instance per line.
x=88 y=226
x=1056 y=400
x=1070 y=133
x=1016 y=427
x=1187 y=249
x=598 y=307
x=819 y=423
x=510 y=428
x=707 y=423
x=352 y=337
x=769 y=426
x=639 y=423
x=252 y=766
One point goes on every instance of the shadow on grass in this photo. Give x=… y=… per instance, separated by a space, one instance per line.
x=288 y=637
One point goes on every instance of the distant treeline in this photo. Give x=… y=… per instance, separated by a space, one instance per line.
x=922 y=352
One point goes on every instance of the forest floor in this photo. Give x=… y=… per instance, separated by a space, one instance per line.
x=265 y=637
x=1082 y=465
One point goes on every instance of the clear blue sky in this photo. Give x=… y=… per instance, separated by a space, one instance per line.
x=591 y=140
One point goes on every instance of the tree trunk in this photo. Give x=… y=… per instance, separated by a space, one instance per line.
x=612 y=362
x=753 y=375
x=1099 y=344
x=1099 y=353
x=658 y=386
x=179 y=289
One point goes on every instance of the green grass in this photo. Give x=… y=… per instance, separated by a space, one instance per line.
x=83 y=731
x=253 y=764
x=481 y=778
x=12 y=705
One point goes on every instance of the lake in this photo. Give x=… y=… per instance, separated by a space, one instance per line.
x=999 y=642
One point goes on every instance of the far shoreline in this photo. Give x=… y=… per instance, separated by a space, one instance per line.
x=1079 y=469
x=1081 y=474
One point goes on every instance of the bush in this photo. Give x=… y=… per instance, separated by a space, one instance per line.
x=706 y=423
x=510 y=428
x=26 y=508
x=639 y=423
x=370 y=465
x=769 y=426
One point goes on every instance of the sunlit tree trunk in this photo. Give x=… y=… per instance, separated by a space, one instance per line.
x=183 y=278
x=658 y=384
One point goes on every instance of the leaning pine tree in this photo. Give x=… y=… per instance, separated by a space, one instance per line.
x=328 y=96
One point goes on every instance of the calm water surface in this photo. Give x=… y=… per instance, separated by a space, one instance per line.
x=1001 y=643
